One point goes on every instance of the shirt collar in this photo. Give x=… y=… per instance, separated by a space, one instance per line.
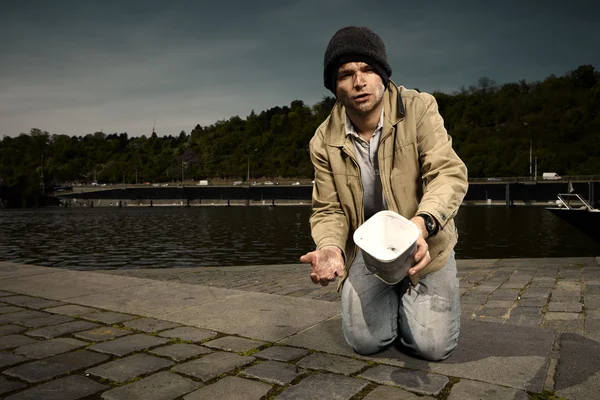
x=349 y=128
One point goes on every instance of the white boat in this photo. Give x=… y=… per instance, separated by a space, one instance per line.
x=578 y=212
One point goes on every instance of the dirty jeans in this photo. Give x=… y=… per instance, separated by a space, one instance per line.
x=425 y=319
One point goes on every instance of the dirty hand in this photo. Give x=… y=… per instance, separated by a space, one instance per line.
x=421 y=257
x=327 y=264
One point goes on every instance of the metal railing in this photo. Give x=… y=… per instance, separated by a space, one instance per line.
x=308 y=182
x=567 y=203
x=509 y=179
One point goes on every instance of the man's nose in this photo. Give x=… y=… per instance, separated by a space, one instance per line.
x=359 y=80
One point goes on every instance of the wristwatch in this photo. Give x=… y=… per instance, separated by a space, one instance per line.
x=430 y=224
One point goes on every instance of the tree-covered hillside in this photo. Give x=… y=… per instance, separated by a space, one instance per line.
x=491 y=125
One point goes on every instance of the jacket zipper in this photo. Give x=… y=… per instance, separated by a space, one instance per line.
x=361 y=215
x=381 y=170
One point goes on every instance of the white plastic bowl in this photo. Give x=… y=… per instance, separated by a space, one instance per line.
x=388 y=242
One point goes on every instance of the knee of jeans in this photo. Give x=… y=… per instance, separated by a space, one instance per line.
x=364 y=346
x=432 y=354
x=364 y=343
x=434 y=351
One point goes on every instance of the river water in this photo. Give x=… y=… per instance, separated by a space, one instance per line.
x=166 y=237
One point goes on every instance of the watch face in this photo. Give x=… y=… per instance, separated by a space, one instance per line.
x=429 y=225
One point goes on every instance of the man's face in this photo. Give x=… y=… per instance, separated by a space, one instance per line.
x=359 y=88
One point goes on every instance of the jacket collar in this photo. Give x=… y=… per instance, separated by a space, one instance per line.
x=393 y=112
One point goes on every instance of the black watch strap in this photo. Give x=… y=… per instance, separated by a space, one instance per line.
x=430 y=224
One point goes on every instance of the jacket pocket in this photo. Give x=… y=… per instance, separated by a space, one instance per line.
x=406 y=161
x=405 y=195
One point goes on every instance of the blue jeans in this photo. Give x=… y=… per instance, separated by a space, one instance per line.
x=424 y=318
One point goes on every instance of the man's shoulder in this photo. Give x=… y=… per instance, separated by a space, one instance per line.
x=323 y=128
x=416 y=96
x=416 y=103
x=324 y=125
x=319 y=135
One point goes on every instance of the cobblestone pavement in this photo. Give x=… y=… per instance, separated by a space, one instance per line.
x=558 y=294
x=52 y=349
x=288 y=280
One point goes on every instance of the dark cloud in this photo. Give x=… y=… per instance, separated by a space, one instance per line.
x=79 y=66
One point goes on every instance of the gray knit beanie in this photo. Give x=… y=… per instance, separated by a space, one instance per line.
x=355 y=44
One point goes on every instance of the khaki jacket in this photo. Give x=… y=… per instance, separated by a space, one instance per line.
x=420 y=172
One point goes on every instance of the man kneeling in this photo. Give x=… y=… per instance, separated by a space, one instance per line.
x=384 y=147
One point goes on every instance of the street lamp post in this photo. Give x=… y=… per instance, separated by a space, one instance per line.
x=42 y=184
x=530 y=159
x=248 y=174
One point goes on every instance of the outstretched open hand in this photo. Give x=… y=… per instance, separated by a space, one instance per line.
x=327 y=264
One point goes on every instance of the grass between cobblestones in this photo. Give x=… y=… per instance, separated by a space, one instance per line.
x=370 y=365
x=250 y=352
x=179 y=341
x=277 y=389
x=365 y=391
x=235 y=372
x=217 y=336
x=545 y=395
x=445 y=392
x=132 y=380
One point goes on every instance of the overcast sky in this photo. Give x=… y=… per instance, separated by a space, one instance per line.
x=76 y=67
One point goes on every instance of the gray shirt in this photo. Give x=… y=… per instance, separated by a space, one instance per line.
x=366 y=154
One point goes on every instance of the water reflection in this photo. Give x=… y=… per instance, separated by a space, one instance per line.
x=107 y=238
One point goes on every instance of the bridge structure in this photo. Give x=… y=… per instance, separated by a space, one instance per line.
x=488 y=191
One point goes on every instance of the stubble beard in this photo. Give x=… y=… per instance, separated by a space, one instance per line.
x=366 y=108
